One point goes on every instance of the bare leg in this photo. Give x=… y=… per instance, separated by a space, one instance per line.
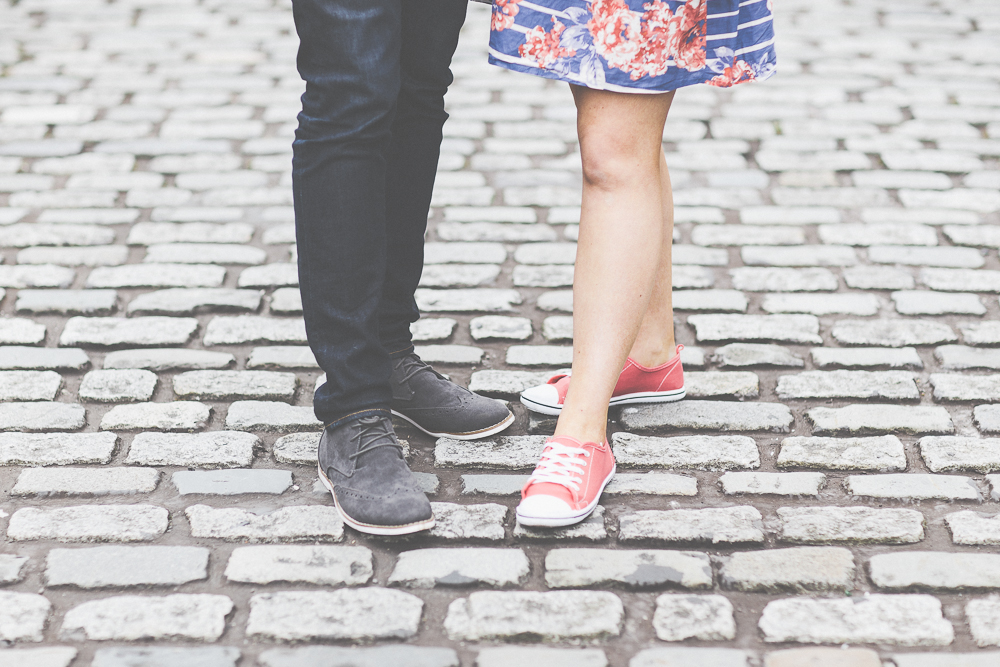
x=620 y=247
x=655 y=343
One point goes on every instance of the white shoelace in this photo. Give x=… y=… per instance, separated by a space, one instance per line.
x=561 y=464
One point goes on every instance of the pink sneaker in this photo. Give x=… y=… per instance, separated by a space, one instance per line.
x=567 y=482
x=636 y=384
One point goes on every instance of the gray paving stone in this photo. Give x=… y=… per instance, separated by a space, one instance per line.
x=150 y=233
x=579 y=568
x=167 y=359
x=882 y=453
x=41 y=416
x=315 y=564
x=215 y=449
x=56 y=448
x=500 y=327
x=174 y=416
x=286 y=301
x=709 y=415
x=188 y=301
x=984 y=620
x=842 y=656
x=773 y=483
x=23 y=616
x=270 y=417
x=738 y=235
x=964 y=387
x=690 y=452
x=89 y=523
x=934 y=570
x=956 y=453
x=961 y=357
x=950 y=256
x=973 y=528
x=987 y=418
x=799 y=255
x=710 y=300
x=358 y=615
x=54 y=656
x=11 y=569
x=554 y=616
x=231 y=482
x=467 y=522
x=689 y=656
x=913 y=486
x=866 y=357
x=467 y=300
x=493 y=485
x=507 y=656
x=873 y=418
x=591 y=529
x=99 y=255
x=228 y=385
x=279 y=274
x=717 y=525
x=459 y=275
x=505 y=384
x=21 y=331
x=157 y=275
x=877 y=277
x=24 y=235
x=297 y=523
x=798 y=569
x=198 y=617
x=898 y=385
x=892 y=333
x=556 y=328
x=923 y=302
x=204 y=253
x=821 y=304
x=878 y=234
x=117 y=386
x=29 y=385
x=202 y=656
x=980 y=333
x=539 y=355
x=961 y=280
x=437 y=328
x=716 y=384
x=403 y=655
x=703 y=617
x=297 y=448
x=85 y=481
x=504 y=452
x=281 y=356
x=756 y=354
x=897 y=620
x=119 y=566
x=651 y=483
x=36 y=276
x=430 y=568
x=939 y=659
x=66 y=302
x=137 y=331
x=450 y=354
x=862 y=525
x=791 y=328
x=242 y=329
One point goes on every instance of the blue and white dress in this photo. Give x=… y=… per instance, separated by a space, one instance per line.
x=635 y=46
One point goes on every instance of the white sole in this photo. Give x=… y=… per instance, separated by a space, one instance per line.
x=624 y=399
x=472 y=435
x=562 y=521
x=368 y=528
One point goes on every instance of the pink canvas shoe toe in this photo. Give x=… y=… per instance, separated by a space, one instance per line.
x=636 y=384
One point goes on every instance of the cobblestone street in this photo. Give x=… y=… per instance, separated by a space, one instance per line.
x=824 y=497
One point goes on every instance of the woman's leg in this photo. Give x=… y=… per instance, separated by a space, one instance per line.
x=655 y=343
x=620 y=250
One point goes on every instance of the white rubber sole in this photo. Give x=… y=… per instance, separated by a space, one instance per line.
x=368 y=528
x=471 y=435
x=569 y=520
x=624 y=399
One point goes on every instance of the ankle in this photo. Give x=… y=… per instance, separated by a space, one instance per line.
x=652 y=358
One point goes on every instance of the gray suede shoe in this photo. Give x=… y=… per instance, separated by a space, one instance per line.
x=361 y=463
x=439 y=407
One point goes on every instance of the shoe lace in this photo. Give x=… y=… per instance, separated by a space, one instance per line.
x=561 y=464
x=372 y=435
x=412 y=364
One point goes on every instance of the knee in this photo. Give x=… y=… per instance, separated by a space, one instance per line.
x=614 y=162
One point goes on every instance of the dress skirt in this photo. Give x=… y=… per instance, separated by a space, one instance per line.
x=635 y=46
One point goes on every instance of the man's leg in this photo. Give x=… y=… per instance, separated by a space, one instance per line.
x=420 y=395
x=349 y=58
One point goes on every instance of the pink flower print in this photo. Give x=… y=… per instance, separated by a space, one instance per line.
x=616 y=31
x=687 y=35
x=739 y=72
x=504 y=12
x=543 y=47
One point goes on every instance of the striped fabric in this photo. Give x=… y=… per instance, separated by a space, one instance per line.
x=635 y=46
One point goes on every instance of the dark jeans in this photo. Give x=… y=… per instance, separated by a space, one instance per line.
x=365 y=156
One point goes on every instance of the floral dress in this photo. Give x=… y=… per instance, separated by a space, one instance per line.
x=635 y=46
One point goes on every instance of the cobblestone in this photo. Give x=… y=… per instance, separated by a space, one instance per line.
x=913 y=487
x=850 y=524
x=869 y=418
x=136 y=331
x=23 y=616
x=428 y=568
x=710 y=415
x=288 y=524
x=713 y=525
x=773 y=483
x=487 y=615
x=892 y=333
x=176 y=416
x=29 y=385
x=933 y=570
x=197 y=617
x=188 y=301
x=85 y=481
x=315 y=564
x=117 y=386
x=89 y=523
x=798 y=569
x=865 y=357
x=698 y=452
x=897 y=385
x=120 y=566
x=357 y=615
x=578 y=568
x=877 y=453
